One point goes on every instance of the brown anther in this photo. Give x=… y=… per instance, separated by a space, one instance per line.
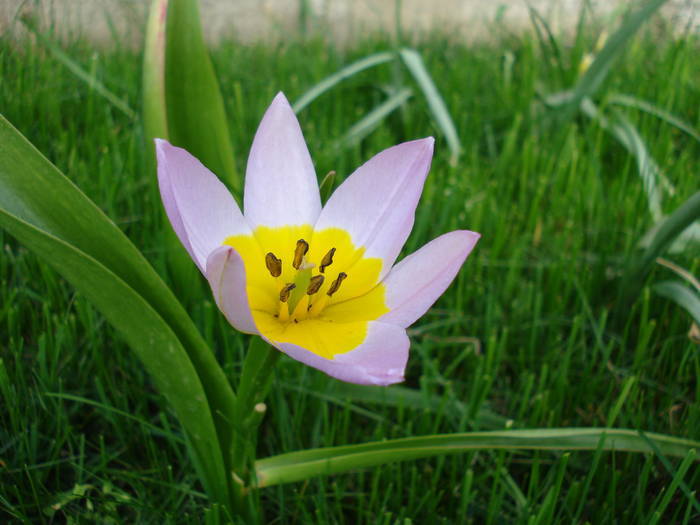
x=336 y=284
x=315 y=284
x=274 y=265
x=299 y=252
x=284 y=293
x=327 y=260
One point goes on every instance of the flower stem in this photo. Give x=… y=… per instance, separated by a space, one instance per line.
x=254 y=386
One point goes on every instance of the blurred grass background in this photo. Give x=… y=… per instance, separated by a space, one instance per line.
x=531 y=328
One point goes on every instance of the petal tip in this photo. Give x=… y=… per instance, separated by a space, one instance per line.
x=280 y=99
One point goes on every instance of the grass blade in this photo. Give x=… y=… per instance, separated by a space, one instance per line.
x=75 y=68
x=681 y=295
x=667 y=465
x=668 y=230
x=336 y=78
x=603 y=62
x=369 y=122
x=416 y=66
x=298 y=466
x=633 y=102
x=400 y=396
x=628 y=136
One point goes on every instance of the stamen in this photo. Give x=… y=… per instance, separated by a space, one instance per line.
x=299 y=252
x=336 y=284
x=283 y=314
x=315 y=284
x=327 y=260
x=301 y=309
x=284 y=293
x=274 y=265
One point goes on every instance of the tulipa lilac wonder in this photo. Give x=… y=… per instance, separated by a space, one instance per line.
x=318 y=283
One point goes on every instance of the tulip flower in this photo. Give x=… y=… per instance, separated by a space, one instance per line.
x=318 y=283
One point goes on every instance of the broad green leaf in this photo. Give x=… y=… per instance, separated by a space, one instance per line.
x=594 y=76
x=336 y=78
x=298 y=466
x=681 y=295
x=33 y=191
x=185 y=277
x=148 y=335
x=416 y=66
x=75 y=68
x=369 y=122
x=196 y=117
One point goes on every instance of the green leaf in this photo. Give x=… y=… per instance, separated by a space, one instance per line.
x=155 y=113
x=681 y=295
x=594 y=76
x=35 y=195
x=437 y=106
x=298 y=466
x=369 y=122
x=336 y=78
x=148 y=335
x=196 y=116
x=185 y=276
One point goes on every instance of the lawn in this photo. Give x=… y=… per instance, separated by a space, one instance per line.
x=533 y=334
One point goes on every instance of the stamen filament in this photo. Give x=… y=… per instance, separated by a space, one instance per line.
x=284 y=312
x=301 y=309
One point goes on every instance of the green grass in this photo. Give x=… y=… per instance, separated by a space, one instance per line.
x=530 y=327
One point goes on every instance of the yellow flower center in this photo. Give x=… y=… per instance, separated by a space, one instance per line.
x=314 y=289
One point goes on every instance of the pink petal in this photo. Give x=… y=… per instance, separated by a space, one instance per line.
x=200 y=208
x=417 y=281
x=280 y=183
x=377 y=203
x=227 y=278
x=380 y=360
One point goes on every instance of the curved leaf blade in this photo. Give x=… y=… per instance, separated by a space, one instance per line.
x=682 y=296
x=33 y=191
x=438 y=108
x=196 y=116
x=147 y=334
x=298 y=466
x=336 y=78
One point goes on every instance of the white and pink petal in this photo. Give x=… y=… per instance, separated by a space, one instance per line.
x=379 y=360
x=415 y=283
x=281 y=188
x=226 y=274
x=200 y=208
x=377 y=203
